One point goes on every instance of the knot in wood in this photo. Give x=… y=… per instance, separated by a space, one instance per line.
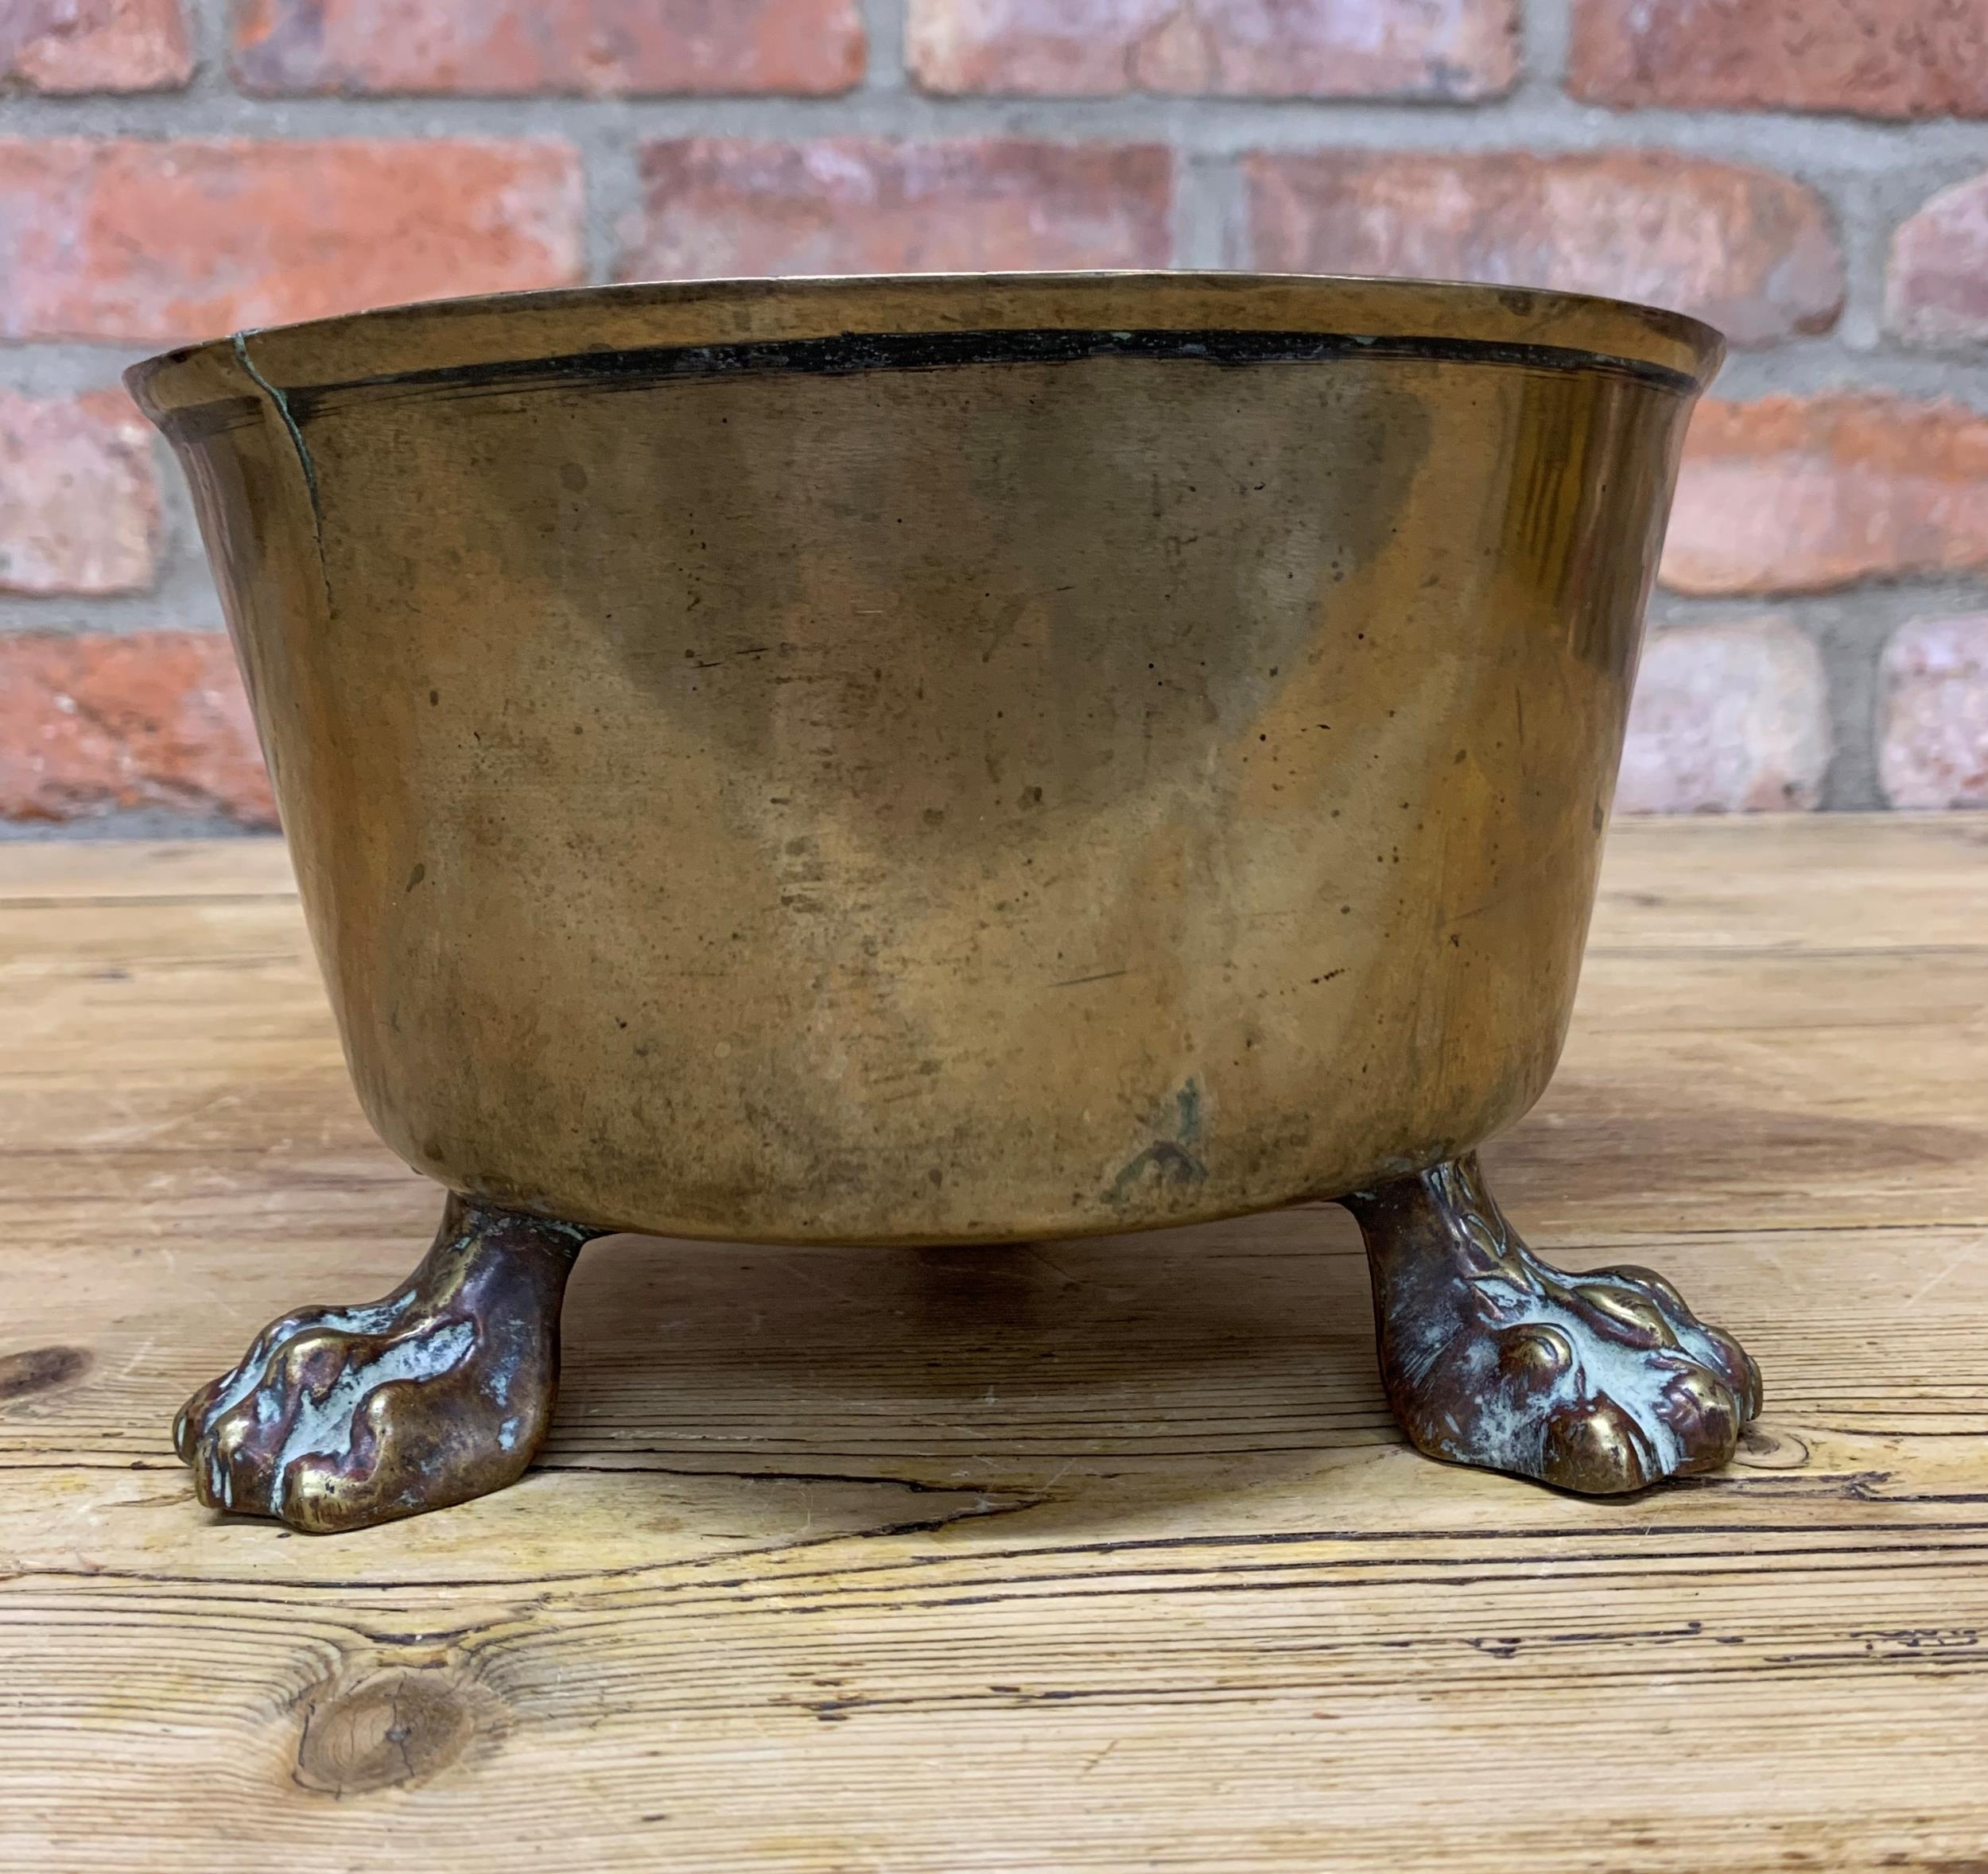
x=40 y=1369
x=397 y=1727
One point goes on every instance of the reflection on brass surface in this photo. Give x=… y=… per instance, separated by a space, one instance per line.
x=948 y=759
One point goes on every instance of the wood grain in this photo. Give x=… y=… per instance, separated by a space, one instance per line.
x=1102 y=1555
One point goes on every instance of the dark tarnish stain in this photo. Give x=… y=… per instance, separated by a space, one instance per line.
x=1175 y=1160
x=40 y=1369
x=415 y=877
x=1189 y=1101
x=849 y=352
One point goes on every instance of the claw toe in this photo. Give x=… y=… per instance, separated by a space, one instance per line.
x=1735 y=1366
x=1704 y=1416
x=1598 y=1449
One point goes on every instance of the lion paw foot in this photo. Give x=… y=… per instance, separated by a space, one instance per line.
x=338 y=1418
x=1598 y=1383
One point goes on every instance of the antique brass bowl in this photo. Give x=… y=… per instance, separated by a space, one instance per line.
x=944 y=759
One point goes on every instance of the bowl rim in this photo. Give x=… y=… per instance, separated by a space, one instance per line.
x=426 y=339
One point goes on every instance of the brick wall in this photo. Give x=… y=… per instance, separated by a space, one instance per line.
x=1812 y=175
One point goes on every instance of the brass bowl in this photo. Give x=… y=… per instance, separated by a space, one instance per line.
x=942 y=759
x=939 y=759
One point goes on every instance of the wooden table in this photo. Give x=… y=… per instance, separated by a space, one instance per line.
x=1097 y=1555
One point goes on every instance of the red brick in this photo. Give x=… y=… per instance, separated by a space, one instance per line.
x=1874 y=58
x=1269 y=49
x=1936 y=290
x=1932 y=736
x=1728 y=718
x=157 y=719
x=78 y=502
x=597 y=47
x=1749 y=250
x=715 y=207
x=94 y=45
x=1798 y=494
x=148 y=243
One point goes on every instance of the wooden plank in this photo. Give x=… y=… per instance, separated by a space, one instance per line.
x=1099 y=1555
x=1886 y=881
x=113 y=871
